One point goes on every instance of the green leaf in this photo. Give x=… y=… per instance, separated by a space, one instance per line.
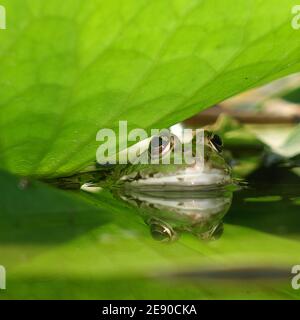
x=281 y=139
x=291 y=146
x=70 y=68
x=292 y=96
x=56 y=244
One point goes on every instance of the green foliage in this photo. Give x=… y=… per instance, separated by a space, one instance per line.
x=71 y=68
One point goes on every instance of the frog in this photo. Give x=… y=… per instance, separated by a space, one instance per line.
x=211 y=173
x=208 y=173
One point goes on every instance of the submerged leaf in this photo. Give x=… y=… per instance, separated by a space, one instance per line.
x=53 y=241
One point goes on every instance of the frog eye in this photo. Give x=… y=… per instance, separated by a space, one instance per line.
x=216 y=142
x=159 y=145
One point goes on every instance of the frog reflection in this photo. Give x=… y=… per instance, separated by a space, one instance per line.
x=168 y=215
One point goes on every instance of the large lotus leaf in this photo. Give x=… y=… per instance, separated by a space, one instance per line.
x=72 y=67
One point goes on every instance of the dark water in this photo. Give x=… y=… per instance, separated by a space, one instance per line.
x=252 y=225
x=270 y=203
x=244 y=247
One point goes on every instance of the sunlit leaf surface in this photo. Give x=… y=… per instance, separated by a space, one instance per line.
x=70 y=68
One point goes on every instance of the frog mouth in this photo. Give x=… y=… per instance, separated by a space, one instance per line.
x=184 y=180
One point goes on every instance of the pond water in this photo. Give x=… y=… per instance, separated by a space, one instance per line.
x=248 y=239
x=269 y=201
x=226 y=244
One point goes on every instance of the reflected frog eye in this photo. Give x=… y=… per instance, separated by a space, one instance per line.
x=159 y=145
x=217 y=231
x=217 y=142
x=212 y=234
x=161 y=231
